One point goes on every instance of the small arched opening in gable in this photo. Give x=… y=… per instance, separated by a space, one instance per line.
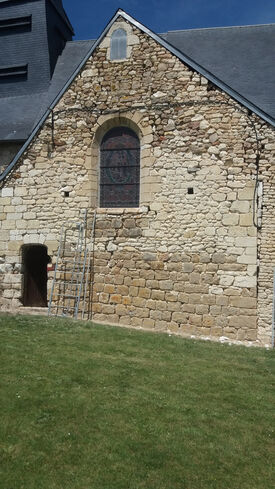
x=118 y=45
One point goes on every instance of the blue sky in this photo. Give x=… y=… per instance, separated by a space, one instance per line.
x=89 y=17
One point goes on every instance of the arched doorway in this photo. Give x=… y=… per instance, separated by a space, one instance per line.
x=34 y=261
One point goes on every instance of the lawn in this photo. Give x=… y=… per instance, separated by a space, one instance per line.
x=95 y=407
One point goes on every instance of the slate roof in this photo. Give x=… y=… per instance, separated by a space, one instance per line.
x=24 y=111
x=242 y=57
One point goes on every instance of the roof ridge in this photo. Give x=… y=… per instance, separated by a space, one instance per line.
x=218 y=28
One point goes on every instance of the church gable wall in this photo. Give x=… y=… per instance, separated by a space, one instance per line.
x=186 y=259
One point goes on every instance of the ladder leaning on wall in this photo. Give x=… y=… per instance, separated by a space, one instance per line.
x=72 y=282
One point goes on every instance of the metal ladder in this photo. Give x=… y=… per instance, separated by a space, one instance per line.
x=72 y=274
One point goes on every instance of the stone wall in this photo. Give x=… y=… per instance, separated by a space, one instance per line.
x=186 y=259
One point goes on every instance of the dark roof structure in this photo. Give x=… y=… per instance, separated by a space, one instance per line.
x=239 y=60
x=32 y=36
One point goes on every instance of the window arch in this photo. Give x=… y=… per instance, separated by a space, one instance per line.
x=118 y=44
x=119 y=168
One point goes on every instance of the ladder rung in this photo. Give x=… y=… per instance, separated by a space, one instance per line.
x=66 y=296
x=66 y=282
x=67 y=271
x=63 y=308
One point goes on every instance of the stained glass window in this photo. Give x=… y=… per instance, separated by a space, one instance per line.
x=118 y=44
x=119 y=168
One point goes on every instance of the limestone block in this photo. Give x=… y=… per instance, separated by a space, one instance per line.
x=246 y=193
x=161 y=305
x=126 y=300
x=14 y=216
x=158 y=294
x=246 y=241
x=138 y=282
x=243 y=302
x=241 y=206
x=246 y=219
x=122 y=290
x=109 y=289
x=195 y=319
x=5 y=201
x=8 y=224
x=149 y=256
x=115 y=298
x=230 y=219
x=161 y=325
x=171 y=296
x=20 y=191
x=245 y=281
x=204 y=257
x=14 y=245
x=219 y=197
x=135 y=322
x=144 y=292
x=133 y=291
x=210 y=231
x=218 y=258
x=7 y=192
x=166 y=285
x=107 y=309
x=226 y=280
x=151 y=304
x=247 y=259
x=202 y=309
x=194 y=278
x=215 y=290
x=148 y=323
x=179 y=317
x=188 y=267
x=243 y=322
x=121 y=310
x=175 y=306
x=222 y=300
x=252 y=270
x=216 y=331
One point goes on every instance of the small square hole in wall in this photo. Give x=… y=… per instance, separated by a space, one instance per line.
x=66 y=194
x=190 y=190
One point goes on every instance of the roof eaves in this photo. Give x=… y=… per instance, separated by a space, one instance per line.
x=184 y=58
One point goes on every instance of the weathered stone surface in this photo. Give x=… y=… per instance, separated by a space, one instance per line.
x=181 y=261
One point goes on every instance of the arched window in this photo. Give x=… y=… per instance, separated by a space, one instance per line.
x=118 y=44
x=119 y=168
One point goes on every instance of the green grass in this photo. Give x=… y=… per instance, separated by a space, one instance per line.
x=93 y=407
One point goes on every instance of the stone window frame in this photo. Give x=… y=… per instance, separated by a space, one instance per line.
x=132 y=40
x=132 y=155
x=144 y=133
x=118 y=45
